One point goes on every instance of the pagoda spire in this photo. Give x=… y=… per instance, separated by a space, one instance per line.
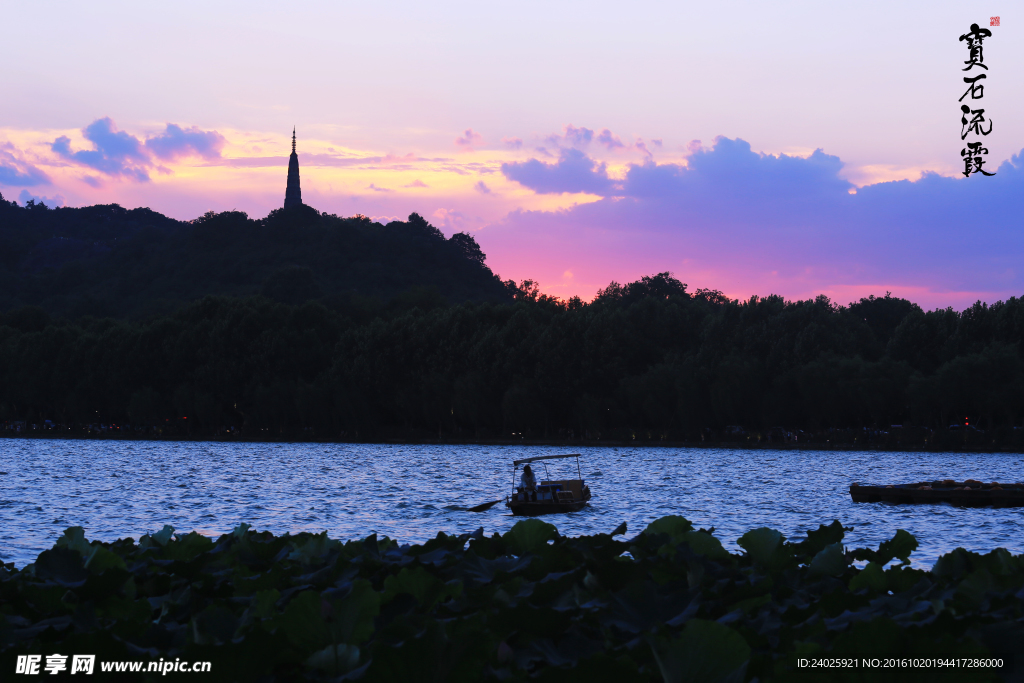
x=292 y=194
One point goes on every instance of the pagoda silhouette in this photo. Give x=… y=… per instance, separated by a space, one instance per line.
x=292 y=194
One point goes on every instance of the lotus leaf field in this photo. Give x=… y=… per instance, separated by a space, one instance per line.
x=670 y=604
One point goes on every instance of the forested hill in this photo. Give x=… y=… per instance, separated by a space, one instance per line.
x=108 y=261
x=645 y=362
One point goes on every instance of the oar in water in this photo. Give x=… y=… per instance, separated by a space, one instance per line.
x=484 y=506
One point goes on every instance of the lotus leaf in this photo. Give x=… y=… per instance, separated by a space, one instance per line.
x=188 y=546
x=530 y=536
x=164 y=535
x=352 y=616
x=975 y=589
x=705 y=652
x=529 y=605
x=215 y=624
x=335 y=659
x=62 y=565
x=101 y=559
x=640 y=606
x=899 y=546
x=821 y=537
x=705 y=544
x=304 y=624
x=308 y=550
x=673 y=525
x=872 y=577
x=763 y=546
x=74 y=538
x=830 y=561
x=421 y=584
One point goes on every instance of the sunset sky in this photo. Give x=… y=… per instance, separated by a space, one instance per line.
x=793 y=148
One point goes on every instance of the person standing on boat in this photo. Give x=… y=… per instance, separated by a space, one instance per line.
x=529 y=483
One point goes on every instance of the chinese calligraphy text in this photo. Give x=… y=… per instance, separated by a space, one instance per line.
x=973 y=121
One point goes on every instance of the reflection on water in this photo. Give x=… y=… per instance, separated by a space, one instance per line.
x=116 y=489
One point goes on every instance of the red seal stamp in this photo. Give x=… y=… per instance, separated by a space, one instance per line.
x=993 y=21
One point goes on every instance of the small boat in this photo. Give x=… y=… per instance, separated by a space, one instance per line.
x=552 y=495
x=970 y=493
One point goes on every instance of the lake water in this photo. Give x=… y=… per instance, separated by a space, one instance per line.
x=117 y=489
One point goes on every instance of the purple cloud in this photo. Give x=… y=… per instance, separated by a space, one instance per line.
x=767 y=223
x=469 y=139
x=177 y=142
x=574 y=172
x=482 y=188
x=609 y=139
x=117 y=153
x=578 y=136
x=571 y=137
x=16 y=172
x=731 y=175
x=51 y=202
x=417 y=183
x=512 y=143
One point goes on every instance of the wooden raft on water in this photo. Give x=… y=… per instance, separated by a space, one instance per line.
x=970 y=493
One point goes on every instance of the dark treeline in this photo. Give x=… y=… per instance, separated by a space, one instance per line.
x=648 y=361
x=107 y=261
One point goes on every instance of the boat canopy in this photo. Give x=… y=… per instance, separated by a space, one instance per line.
x=544 y=457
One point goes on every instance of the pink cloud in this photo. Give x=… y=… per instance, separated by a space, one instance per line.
x=469 y=139
x=609 y=139
x=392 y=159
x=176 y=142
x=16 y=172
x=450 y=220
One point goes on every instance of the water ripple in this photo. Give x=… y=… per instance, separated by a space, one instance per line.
x=120 y=489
